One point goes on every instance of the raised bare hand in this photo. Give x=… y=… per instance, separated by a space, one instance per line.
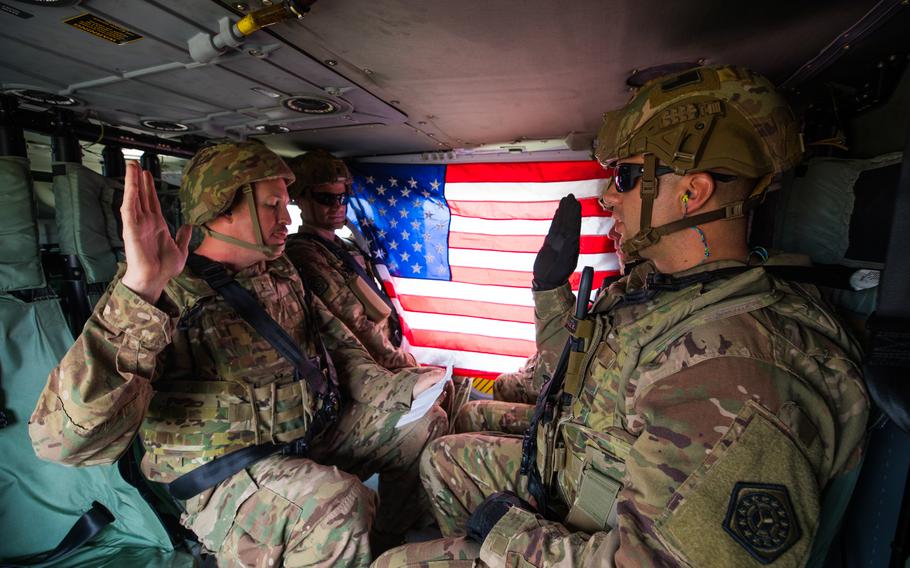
x=153 y=257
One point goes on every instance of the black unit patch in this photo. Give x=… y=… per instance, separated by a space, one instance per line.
x=760 y=517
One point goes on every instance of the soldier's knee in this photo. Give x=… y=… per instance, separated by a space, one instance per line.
x=469 y=418
x=429 y=460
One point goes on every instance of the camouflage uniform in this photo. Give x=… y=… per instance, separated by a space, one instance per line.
x=708 y=418
x=333 y=282
x=196 y=381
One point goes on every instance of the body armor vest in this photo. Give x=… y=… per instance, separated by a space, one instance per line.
x=224 y=387
x=584 y=448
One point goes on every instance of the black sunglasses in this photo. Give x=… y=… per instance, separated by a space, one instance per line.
x=625 y=176
x=329 y=199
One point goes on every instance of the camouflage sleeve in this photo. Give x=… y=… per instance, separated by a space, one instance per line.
x=96 y=398
x=360 y=376
x=749 y=431
x=551 y=308
x=330 y=284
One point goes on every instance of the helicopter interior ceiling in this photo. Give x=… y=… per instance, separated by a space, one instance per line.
x=392 y=76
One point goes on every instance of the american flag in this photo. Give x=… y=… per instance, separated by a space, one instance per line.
x=459 y=244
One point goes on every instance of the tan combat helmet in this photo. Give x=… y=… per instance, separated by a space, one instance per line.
x=723 y=119
x=317 y=167
x=213 y=177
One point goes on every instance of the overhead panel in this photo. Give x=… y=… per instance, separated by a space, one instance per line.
x=129 y=64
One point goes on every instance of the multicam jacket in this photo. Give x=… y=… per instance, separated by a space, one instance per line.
x=334 y=283
x=707 y=422
x=194 y=378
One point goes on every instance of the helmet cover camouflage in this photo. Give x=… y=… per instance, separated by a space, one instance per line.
x=317 y=167
x=215 y=174
x=709 y=118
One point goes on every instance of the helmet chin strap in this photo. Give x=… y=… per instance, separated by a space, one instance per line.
x=648 y=236
x=260 y=246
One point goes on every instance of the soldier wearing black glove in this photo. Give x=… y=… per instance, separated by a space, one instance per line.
x=559 y=254
x=488 y=513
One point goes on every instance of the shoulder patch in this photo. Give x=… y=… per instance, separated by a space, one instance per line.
x=760 y=518
x=317 y=284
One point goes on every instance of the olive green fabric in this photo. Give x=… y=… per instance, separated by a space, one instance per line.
x=20 y=261
x=81 y=221
x=42 y=500
x=814 y=218
x=710 y=494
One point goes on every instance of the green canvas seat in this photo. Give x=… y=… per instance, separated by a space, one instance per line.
x=40 y=500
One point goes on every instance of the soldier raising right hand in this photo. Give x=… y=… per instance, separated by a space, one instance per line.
x=167 y=356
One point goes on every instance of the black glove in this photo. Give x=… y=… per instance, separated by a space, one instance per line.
x=559 y=254
x=490 y=511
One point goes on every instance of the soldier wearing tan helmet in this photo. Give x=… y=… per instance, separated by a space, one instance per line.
x=337 y=270
x=256 y=441
x=707 y=403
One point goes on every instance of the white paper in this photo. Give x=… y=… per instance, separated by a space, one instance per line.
x=425 y=400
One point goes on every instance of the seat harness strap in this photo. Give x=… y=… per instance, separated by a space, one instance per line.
x=323 y=385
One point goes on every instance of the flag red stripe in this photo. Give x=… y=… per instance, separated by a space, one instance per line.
x=472 y=373
x=526 y=210
x=589 y=244
x=471 y=342
x=471 y=308
x=524 y=172
x=516 y=278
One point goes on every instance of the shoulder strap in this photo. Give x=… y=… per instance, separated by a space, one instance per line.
x=352 y=264
x=254 y=314
x=214 y=472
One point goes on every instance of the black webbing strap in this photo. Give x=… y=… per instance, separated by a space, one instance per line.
x=352 y=264
x=253 y=313
x=86 y=527
x=214 y=472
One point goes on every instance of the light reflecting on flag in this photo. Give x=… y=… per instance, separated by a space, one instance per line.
x=459 y=244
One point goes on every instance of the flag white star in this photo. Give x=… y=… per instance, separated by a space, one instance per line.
x=382 y=211
x=417 y=202
x=439 y=249
x=405 y=235
x=427 y=214
x=369 y=180
x=431 y=258
x=392 y=201
x=393 y=245
x=393 y=223
x=434 y=185
x=415 y=225
x=412 y=182
x=417 y=247
x=371 y=199
x=415 y=268
x=425 y=193
x=393 y=182
x=380 y=190
x=405 y=256
x=427 y=236
x=403 y=212
x=382 y=233
x=380 y=254
x=405 y=192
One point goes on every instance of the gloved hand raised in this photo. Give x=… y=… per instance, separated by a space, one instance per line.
x=559 y=254
x=494 y=507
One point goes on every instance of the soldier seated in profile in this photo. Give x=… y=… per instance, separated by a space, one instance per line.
x=225 y=365
x=710 y=399
x=343 y=276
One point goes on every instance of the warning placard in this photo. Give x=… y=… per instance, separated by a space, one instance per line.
x=99 y=27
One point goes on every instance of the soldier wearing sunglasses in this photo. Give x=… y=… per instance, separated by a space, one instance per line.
x=706 y=402
x=352 y=291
